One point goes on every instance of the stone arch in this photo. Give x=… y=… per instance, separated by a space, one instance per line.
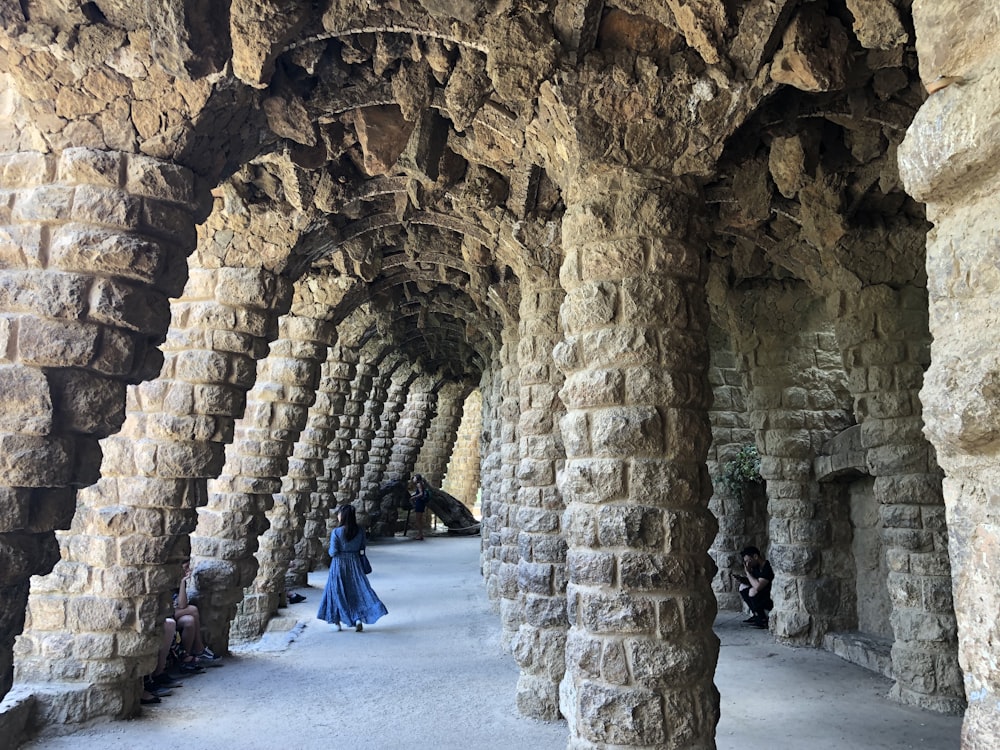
x=760 y=143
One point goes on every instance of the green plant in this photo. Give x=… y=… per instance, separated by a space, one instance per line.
x=741 y=473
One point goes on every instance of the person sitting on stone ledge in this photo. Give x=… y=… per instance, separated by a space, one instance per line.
x=159 y=682
x=755 y=587
x=195 y=653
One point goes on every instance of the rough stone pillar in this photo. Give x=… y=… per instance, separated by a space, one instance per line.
x=462 y=475
x=505 y=502
x=340 y=444
x=798 y=401
x=949 y=160
x=352 y=464
x=94 y=622
x=502 y=552
x=885 y=343
x=305 y=341
x=490 y=525
x=234 y=517
x=742 y=517
x=641 y=652
x=376 y=450
x=408 y=439
x=540 y=643
x=92 y=244
x=441 y=434
x=306 y=466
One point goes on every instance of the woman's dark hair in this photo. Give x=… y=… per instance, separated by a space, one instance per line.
x=349 y=520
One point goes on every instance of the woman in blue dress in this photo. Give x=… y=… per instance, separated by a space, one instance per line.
x=348 y=597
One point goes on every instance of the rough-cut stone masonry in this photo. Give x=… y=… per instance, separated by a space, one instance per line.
x=742 y=515
x=540 y=643
x=441 y=434
x=301 y=486
x=461 y=479
x=789 y=207
x=640 y=652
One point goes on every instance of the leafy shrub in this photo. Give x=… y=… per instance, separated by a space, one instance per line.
x=743 y=472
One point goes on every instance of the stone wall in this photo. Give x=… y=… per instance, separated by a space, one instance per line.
x=461 y=478
x=949 y=160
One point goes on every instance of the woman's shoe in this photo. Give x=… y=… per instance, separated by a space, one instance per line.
x=358 y=626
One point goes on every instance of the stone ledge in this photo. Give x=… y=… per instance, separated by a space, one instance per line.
x=841 y=458
x=871 y=652
x=16 y=710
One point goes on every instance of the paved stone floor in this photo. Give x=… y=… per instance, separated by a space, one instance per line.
x=431 y=674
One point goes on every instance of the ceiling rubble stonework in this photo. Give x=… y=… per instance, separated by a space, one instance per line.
x=495 y=194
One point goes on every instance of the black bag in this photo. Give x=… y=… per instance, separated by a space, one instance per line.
x=366 y=565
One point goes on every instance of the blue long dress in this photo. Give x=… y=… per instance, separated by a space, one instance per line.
x=348 y=597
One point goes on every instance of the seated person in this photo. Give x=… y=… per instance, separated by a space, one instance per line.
x=157 y=684
x=196 y=654
x=755 y=587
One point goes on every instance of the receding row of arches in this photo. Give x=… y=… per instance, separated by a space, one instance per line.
x=255 y=261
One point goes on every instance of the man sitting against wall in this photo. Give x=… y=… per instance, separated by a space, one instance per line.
x=755 y=587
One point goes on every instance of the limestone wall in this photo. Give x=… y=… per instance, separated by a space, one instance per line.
x=949 y=160
x=462 y=475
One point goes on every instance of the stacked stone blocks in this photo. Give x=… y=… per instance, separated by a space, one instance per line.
x=640 y=652
x=462 y=474
x=540 y=643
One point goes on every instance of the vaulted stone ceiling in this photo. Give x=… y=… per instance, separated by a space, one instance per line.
x=425 y=147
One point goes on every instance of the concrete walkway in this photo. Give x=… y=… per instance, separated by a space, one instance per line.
x=432 y=675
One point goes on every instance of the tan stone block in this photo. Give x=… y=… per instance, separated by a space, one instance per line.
x=174 y=225
x=43 y=203
x=106 y=206
x=21 y=246
x=189 y=459
x=93 y=646
x=25 y=401
x=151 y=177
x=85 y=166
x=96 y=550
x=48 y=612
x=619 y=716
x=124 y=305
x=29 y=461
x=47 y=294
x=116 y=352
x=593 y=388
x=26 y=169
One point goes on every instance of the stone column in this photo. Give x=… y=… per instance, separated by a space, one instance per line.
x=742 y=517
x=353 y=462
x=949 y=160
x=490 y=472
x=798 y=401
x=94 y=622
x=376 y=451
x=92 y=244
x=641 y=652
x=306 y=466
x=462 y=475
x=441 y=434
x=886 y=344
x=540 y=643
x=505 y=502
x=408 y=439
x=234 y=517
x=500 y=561
x=306 y=340
x=339 y=447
